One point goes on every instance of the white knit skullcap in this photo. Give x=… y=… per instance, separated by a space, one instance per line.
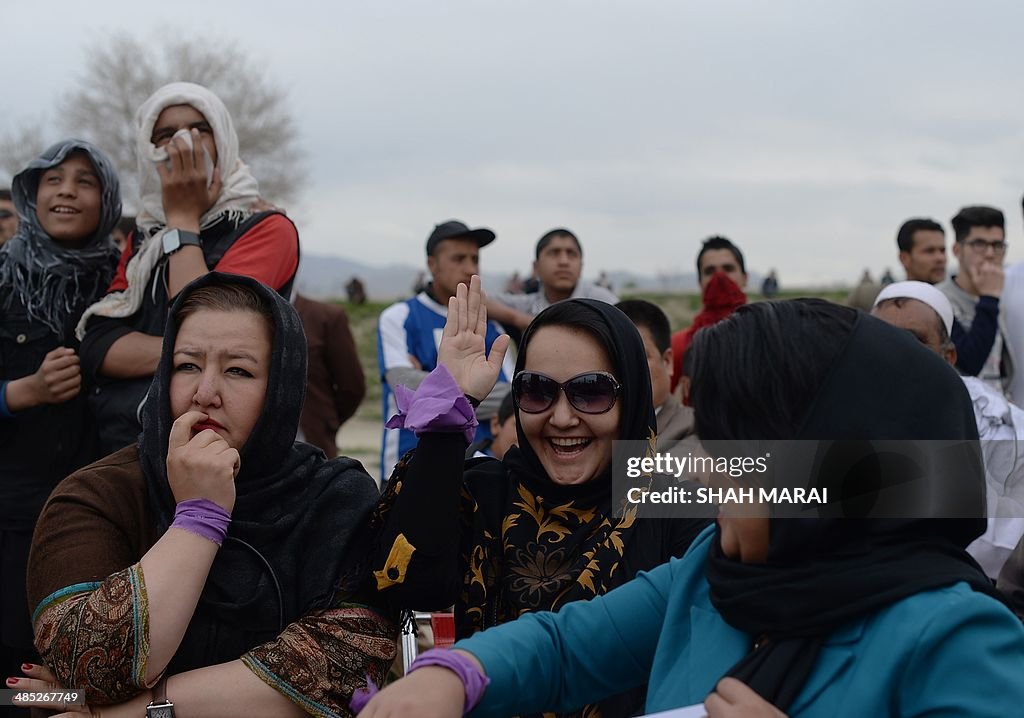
x=922 y=292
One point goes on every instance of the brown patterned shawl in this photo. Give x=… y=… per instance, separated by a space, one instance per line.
x=91 y=611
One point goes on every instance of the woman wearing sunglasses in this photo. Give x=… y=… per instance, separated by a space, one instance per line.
x=768 y=617
x=536 y=530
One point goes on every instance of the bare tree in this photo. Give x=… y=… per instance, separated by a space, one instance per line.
x=19 y=146
x=122 y=71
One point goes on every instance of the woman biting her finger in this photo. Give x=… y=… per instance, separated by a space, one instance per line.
x=218 y=558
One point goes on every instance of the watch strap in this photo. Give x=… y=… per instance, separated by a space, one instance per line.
x=160 y=706
x=183 y=237
x=160 y=690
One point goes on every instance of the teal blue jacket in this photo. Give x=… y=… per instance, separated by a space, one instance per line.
x=946 y=652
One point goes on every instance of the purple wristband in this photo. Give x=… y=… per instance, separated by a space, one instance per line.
x=438 y=404
x=362 y=696
x=203 y=518
x=472 y=679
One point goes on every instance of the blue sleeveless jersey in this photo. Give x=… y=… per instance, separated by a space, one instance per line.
x=414 y=328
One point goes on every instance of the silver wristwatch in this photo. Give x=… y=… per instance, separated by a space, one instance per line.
x=160 y=706
x=175 y=239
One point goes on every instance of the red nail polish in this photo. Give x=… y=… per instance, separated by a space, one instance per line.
x=27 y=666
x=12 y=681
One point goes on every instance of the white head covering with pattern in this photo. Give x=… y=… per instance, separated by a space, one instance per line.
x=238 y=193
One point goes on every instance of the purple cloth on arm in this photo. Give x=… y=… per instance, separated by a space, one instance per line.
x=362 y=696
x=203 y=518
x=472 y=679
x=438 y=404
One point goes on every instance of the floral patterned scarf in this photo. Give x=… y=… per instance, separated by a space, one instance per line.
x=533 y=545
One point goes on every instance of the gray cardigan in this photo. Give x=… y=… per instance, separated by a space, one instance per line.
x=964 y=307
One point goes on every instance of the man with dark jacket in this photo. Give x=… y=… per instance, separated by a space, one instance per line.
x=336 y=383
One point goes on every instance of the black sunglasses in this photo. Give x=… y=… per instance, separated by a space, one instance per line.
x=591 y=393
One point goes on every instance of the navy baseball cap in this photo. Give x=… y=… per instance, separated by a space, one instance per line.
x=454 y=229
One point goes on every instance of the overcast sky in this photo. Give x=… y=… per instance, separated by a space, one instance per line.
x=806 y=132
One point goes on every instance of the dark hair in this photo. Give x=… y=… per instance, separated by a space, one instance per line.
x=755 y=375
x=905 y=237
x=555 y=234
x=126 y=224
x=6 y=194
x=718 y=242
x=506 y=409
x=978 y=216
x=226 y=298
x=646 y=314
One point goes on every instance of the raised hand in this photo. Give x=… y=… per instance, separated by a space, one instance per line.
x=186 y=196
x=463 y=348
x=203 y=466
x=988 y=278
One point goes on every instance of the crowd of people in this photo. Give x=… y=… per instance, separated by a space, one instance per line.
x=179 y=536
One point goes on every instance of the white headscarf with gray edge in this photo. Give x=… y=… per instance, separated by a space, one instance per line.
x=238 y=192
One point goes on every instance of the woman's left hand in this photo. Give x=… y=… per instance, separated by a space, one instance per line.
x=735 y=699
x=463 y=347
x=40 y=679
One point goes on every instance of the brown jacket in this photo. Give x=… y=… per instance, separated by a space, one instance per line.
x=87 y=587
x=675 y=422
x=336 y=381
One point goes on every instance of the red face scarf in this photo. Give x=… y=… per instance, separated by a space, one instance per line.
x=721 y=298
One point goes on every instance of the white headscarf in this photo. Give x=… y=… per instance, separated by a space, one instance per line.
x=922 y=292
x=238 y=192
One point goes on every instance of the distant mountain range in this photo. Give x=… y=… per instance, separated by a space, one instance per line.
x=325 y=276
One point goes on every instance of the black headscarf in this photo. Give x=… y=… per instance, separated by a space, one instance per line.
x=582 y=541
x=637 y=422
x=296 y=535
x=534 y=545
x=53 y=282
x=822 y=573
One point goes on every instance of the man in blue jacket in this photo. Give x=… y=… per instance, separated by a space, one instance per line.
x=409 y=332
